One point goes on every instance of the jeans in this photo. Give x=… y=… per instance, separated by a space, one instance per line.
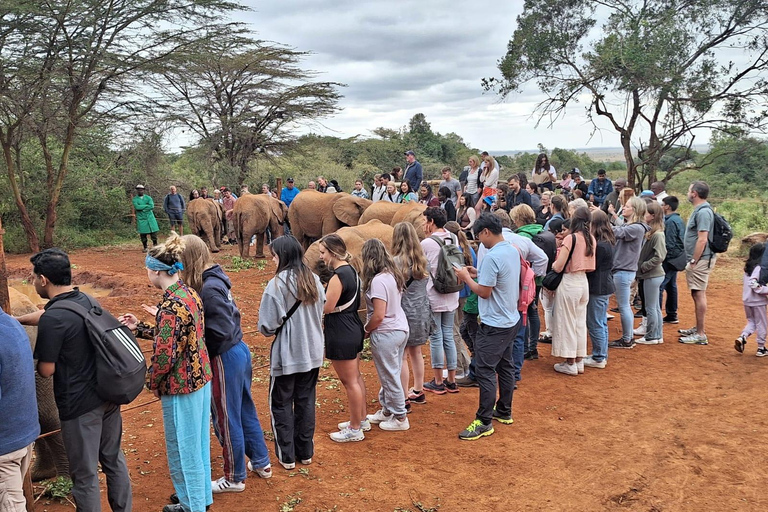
x=518 y=350
x=652 y=286
x=441 y=345
x=534 y=323
x=622 y=281
x=669 y=285
x=597 y=325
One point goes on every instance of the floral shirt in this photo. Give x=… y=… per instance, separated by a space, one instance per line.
x=180 y=362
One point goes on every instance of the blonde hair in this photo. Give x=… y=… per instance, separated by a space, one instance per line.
x=626 y=194
x=196 y=259
x=657 y=224
x=547 y=193
x=638 y=209
x=376 y=260
x=577 y=203
x=522 y=215
x=407 y=249
x=169 y=252
x=475 y=160
x=491 y=165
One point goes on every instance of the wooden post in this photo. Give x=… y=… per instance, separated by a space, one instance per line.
x=279 y=186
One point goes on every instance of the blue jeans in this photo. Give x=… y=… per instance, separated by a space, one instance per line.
x=653 y=308
x=622 y=281
x=441 y=345
x=518 y=350
x=669 y=285
x=597 y=325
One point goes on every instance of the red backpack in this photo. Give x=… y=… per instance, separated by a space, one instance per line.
x=527 y=286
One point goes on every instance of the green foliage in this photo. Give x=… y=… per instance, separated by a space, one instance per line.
x=58 y=488
x=237 y=264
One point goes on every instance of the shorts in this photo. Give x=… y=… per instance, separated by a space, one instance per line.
x=176 y=217
x=697 y=278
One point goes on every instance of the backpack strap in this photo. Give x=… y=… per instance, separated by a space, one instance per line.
x=74 y=307
x=288 y=315
x=339 y=309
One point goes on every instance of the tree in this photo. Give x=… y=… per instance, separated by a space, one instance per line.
x=242 y=97
x=653 y=70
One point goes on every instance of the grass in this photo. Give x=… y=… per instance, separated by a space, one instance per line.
x=238 y=264
x=58 y=488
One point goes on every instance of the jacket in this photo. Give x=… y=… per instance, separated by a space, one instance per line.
x=413 y=175
x=674 y=229
x=601 y=279
x=651 y=257
x=600 y=190
x=544 y=240
x=629 y=240
x=516 y=198
x=754 y=296
x=145 y=218
x=298 y=348
x=222 y=318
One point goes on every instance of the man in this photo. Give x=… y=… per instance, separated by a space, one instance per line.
x=379 y=189
x=516 y=195
x=311 y=185
x=599 y=188
x=244 y=190
x=613 y=197
x=322 y=184
x=204 y=193
x=173 y=206
x=413 y=171
x=659 y=191
x=450 y=183
x=265 y=189
x=18 y=409
x=497 y=289
x=359 y=191
x=90 y=427
x=700 y=258
x=289 y=192
x=578 y=183
x=674 y=229
x=228 y=200
x=146 y=223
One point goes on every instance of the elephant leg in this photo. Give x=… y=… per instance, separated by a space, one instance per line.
x=260 y=244
x=217 y=235
x=210 y=239
x=50 y=455
x=244 y=246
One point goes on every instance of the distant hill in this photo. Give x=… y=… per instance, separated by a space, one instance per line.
x=597 y=154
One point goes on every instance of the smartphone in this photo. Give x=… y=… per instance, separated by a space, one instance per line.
x=456 y=265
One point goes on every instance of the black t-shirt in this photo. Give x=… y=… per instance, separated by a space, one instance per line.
x=63 y=339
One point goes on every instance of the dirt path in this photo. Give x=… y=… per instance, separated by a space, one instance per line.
x=667 y=427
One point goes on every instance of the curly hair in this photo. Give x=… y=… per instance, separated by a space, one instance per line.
x=170 y=251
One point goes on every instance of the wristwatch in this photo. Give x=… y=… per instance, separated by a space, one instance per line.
x=692 y=262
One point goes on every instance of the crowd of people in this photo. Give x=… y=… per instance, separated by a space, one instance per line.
x=464 y=299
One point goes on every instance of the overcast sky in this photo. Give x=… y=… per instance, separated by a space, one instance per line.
x=399 y=58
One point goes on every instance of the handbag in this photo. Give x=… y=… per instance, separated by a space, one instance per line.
x=678 y=262
x=552 y=280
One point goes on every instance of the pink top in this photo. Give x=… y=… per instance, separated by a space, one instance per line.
x=438 y=302
x=580 y=262
x=757 y=296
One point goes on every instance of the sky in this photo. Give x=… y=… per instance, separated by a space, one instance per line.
x=399 y=58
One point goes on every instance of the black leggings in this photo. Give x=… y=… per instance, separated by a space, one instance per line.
x=144 y=238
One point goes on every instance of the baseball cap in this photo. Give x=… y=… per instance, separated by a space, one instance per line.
x=409 y=152
x=140 y=186
x=490 y=199
x=575 y=171
x=646 y=193
x=289 y=180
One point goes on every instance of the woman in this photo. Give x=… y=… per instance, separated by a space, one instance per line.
x=234 y=415
x=444 y=196
x=179 y=374
x=544 y=175
x=470 y=259
x=569 y=335
x=544 y=212
x=466 y=214
x=344 y=334
x=406 y=194
x=473 y=185
x=629 y=233
x=291 y=310
x=388 y=328
x=489 y=177
x=409 y=256
x=651 y=273
x=533 y=190
x=390 y=194
x=426 y=197
x=559 y=208
x=600 y=290
x=624 y=196
x=575 y=204
x=194 y=194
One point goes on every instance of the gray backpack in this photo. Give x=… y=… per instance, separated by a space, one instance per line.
x=445 y=279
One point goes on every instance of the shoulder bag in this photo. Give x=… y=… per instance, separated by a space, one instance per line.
x=552 y=280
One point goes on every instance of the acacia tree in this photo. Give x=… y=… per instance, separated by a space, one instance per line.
x=655 y=70
x=85 y=59
x=242 y=97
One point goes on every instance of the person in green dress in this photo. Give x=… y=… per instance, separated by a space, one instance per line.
x=146 y=223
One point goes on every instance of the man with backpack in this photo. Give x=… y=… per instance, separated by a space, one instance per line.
x=497 y=289
x=91 y=428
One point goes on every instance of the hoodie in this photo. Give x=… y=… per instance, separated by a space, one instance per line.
x=629 y=241
x=299 y=346
x=754 y=296
x=222 y=318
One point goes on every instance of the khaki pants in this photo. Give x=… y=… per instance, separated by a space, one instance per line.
x=13 y=467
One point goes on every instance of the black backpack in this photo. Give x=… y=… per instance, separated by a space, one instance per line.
x=120 y=366
x=546 y=241
x=721 y=234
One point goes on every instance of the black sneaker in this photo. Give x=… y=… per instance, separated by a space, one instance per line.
x=451 y=387
x=671 y=319
x=533 y=354
x=466 y=382
x=639 y=315
x=476 y=430
x=762 y=352
x=417 y=397
x=614 y=310
x=506 y=420
x=433 y=387
x=621 y=344
x=408 y=407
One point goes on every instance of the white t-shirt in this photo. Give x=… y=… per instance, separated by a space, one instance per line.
x=471 y=187
x=384 y=287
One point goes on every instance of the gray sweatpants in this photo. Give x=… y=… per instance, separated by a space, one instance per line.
x=387 y=349
x=95 y=438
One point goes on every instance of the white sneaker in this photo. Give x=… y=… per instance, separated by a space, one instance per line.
x=288 y=465
x=394 y=424
x=378 y=416
x=646 y=341
x=591 y=363
x=365 y=425
x=346 y=435
x=580 y=366
x=223 y=485
x=445 y=373
x=306 y=462
x=642 y=328
x=568 y=369
x=265 y=472
x=610 y=316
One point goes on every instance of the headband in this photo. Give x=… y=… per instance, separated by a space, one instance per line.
x=155 y=264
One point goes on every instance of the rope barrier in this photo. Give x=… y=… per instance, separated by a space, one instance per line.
x=53 y=432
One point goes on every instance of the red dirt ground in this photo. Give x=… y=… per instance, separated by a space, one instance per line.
x=662 y=428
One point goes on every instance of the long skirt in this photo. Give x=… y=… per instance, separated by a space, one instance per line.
x=569 y=316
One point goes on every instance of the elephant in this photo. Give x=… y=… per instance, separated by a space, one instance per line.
x=354 y=237
x=314 y=214
x=253 y=215
x=50 y=455
x=205 y=221
x=392 y=213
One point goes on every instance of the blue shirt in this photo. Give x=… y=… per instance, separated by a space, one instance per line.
x=500 y=270
x=287 y=195
x=599 y=189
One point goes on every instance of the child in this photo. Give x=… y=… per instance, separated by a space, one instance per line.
x=755 y=298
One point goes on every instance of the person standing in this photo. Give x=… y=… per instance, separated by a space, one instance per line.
x=91 y=428
x=322 y=184
x=497 y=289
x=600 y=289
x=517 y=195
x=755 y=297
x=473 y=185
x=228 y=204
x=674 y=229
x=146 y=223
x=18 y=409
x=651 y=274
x=413 y=171
x=173 y=206
x=544 y=174
x=659 y=190
x=599 y=188
x=614 y=198
x=700 y=258
x=289 y=192
x=451 y=184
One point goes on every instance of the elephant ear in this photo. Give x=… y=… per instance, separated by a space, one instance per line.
x=279 y=210
x=349 y=209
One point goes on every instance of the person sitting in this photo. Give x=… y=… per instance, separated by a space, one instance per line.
x=359 y=191
x=406 y=195
x=599 y=188
x=426 y=196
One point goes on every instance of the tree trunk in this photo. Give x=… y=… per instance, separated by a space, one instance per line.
x=26 y=221
x=56 y=182
x=626 y=143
